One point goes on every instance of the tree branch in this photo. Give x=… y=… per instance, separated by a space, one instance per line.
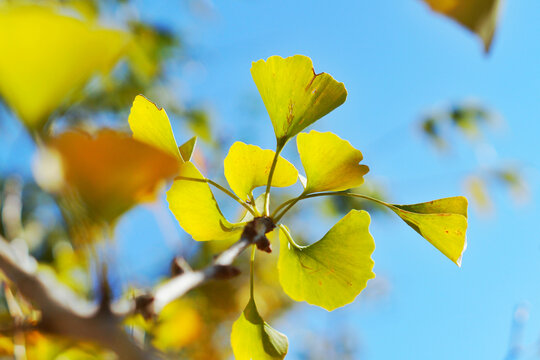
x=61 y=317
x=221 y=268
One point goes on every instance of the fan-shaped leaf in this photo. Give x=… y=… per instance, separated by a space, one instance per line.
x=442 y=222
x=331 y=163
x=333 y=271
x=194 y=206
x=151 y=125
x=294 y=95
x=252 y=338
x=111 y=172
x=247 y=167
x=47 y=56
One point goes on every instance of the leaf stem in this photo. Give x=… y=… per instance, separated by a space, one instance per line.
x=228 y=192
x=288 y=235
x=290 y=203
x=279 y=147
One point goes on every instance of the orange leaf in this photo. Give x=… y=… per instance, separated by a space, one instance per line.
x=111 y=172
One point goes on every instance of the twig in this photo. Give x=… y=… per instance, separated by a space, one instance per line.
x=221 y=268
x=62 y=319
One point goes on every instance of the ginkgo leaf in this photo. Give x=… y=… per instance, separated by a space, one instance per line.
x=179 y=324
x=442 y=222
x=333 y=271
x=111 y=172
x=331 y=163
x=50 y=57
x=252 y=338
x=150 y=124
x=187 y=148
x=479 y=16
x=294 y=95
x=247 y=166
x=196 y=209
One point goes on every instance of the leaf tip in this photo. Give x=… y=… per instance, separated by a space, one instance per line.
x=460 y=258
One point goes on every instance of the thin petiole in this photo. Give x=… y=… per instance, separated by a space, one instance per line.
x=290 y=203
x=288 y=235
x=266 y=210
x=229 y=193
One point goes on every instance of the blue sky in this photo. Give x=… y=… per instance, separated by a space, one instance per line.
x=398 y=61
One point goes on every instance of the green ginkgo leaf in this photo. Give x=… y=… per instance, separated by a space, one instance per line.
x=187 y=148
x=252 y=338
x=247 y=167
x=479 y=16
x=294 y=95
x=196 y=209
x=333 y=271
x=331 y=163
x=442 y=222
x=150 y=124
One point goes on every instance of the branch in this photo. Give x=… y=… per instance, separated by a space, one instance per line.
x=221 y=268
x=61 y=317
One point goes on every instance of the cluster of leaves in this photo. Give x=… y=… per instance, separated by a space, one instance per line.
x=68 y=67
x=330 y=272
x=94 y=188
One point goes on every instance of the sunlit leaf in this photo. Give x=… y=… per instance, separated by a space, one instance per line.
x=110 y=172
x=479 y=16
x=333 y=271
x=252 y=338
x=442 y=222
x=196 y=209
x=6 y=346
x=331 y=163
x=247 y=167
x=187 y=148
x=294 y=95
x=151 y=125
x=48 y=56
x=178 y=325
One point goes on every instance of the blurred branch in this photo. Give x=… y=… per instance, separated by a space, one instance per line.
x=61 y=317
x=221 y=268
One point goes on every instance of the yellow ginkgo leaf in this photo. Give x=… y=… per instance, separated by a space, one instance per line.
x=442 y=222
x=333 y=271
x=179 y=324
x=194 y=206
x=252 y=338
x=479 y=16
x=294 y=95
x=110 y=172
x=150 y=124
x=331 y=163
x=48 y=56
x=247 y=167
